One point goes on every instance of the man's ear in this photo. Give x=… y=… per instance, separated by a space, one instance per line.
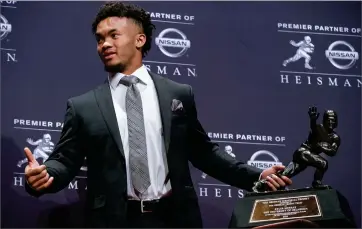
x=140 y=40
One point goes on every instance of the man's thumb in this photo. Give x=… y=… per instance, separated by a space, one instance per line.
x=29 y=154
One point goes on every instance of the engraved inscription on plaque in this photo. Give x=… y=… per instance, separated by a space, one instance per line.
x=295 y=207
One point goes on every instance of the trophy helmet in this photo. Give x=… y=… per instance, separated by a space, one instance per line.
x=330 y=119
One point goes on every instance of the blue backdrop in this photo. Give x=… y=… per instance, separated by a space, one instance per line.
x=232 y=53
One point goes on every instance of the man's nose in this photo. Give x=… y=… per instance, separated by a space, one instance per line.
x=106 y=44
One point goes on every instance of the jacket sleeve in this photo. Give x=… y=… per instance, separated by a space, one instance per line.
x=207 y=156
x=67 y=157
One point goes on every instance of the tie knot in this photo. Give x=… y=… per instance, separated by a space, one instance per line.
x=129 y=80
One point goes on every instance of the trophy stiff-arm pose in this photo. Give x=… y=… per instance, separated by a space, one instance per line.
x=322 y=139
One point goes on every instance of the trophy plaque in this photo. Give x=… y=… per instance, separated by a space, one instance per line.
x=285 y=208
x=320 y=203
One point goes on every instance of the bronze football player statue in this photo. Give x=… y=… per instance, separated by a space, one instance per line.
x=322 y=139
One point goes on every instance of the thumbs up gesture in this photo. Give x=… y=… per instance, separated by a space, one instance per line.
x=36 y=175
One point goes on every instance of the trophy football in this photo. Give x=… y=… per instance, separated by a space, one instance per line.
x=319 y=204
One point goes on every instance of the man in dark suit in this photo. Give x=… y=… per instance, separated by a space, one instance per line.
x=138 y=131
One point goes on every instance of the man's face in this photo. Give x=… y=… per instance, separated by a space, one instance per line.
x=117 y=42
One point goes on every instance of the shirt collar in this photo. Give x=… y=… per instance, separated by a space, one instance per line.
x=141 y=73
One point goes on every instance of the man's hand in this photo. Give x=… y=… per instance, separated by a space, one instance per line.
x=36 y=175
x=274 y=182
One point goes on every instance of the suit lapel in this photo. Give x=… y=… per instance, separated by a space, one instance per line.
x=104 y=99
x=164 y=100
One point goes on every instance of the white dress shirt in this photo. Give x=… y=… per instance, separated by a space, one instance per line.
x=153 y=127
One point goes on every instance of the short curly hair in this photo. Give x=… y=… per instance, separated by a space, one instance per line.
x=121 y=9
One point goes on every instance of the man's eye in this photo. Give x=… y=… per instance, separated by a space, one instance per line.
x=99 y=40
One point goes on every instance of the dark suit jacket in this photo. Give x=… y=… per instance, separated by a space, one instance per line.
x=91 y=130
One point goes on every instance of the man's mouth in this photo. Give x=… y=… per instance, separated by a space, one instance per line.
x=108 y=55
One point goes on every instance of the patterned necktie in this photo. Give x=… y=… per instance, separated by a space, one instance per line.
x=137 y=137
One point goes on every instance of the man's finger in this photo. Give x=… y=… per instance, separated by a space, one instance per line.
x=287 y=180
x=277 y=179
x=41 y=181
x=273 y=182
x=29 y=155
x=35 y=171
x=46 y=185
x=279 y=167
x=33 y=179
x=271 y=186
